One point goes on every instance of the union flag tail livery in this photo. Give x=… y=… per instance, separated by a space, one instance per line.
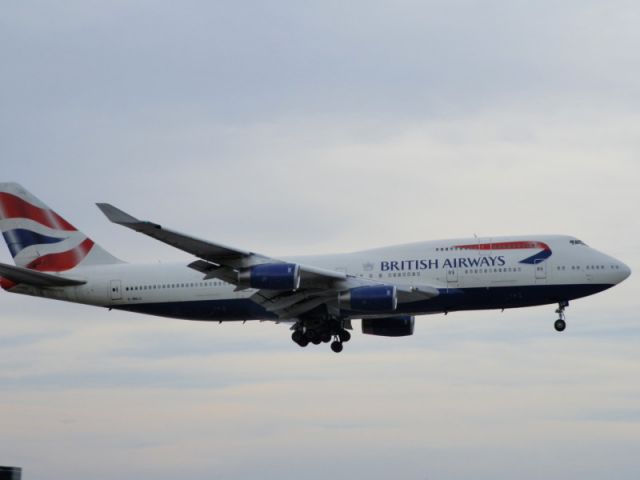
x=40 y=239
x=318 y=296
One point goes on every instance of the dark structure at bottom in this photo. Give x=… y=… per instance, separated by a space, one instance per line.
x=10 y=473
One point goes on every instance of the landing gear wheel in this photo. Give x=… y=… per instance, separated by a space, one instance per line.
x=560 y=325
x=313 y=337
x=344 y=335
x=336 y=346
x=325 y=337
x=300 y=338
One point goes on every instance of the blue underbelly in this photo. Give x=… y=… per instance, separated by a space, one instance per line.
x=449 y=300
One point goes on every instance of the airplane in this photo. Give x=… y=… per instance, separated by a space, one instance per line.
x=318 y=296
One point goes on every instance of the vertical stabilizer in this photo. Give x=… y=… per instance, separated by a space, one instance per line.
x=40 y=239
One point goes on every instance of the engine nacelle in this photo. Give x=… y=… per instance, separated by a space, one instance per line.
x=271 y=276
x=400 y=326
x=375 y=298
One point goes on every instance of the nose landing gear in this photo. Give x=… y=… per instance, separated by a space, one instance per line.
x=561 y=324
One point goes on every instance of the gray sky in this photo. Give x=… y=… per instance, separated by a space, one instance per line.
x=292 y=128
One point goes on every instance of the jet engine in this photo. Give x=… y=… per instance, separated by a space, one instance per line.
x=375 y=298
x=400 y=326
x=271 y=276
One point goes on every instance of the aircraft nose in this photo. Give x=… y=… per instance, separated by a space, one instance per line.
x=616 y=271
x=625 y=271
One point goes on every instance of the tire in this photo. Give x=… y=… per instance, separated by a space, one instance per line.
x=560 y=325
x=344 y=335
x=297 y=336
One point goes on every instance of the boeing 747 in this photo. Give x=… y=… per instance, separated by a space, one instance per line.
x=317 y=296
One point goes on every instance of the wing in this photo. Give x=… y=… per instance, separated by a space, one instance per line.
x=209 y=251
x=218 y=261
x=317 y=285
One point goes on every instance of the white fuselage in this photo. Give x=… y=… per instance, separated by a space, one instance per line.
x=470 y=274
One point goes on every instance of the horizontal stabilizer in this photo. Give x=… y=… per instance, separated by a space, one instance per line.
x=35 y=278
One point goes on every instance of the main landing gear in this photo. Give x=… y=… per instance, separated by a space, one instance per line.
x=322 y=333
x=561 y=324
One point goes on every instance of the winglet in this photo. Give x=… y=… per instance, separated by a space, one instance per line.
x=116 y=215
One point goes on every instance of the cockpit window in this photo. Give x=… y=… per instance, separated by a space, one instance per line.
x=577 y=242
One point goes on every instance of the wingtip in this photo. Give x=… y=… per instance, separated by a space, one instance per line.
x=115 y=214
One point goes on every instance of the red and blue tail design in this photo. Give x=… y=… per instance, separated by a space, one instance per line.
x=40 y=239
x=517 y=245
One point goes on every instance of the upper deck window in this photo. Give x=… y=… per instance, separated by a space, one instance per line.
x=577 y=242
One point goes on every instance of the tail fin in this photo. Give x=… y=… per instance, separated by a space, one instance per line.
x=40 y=239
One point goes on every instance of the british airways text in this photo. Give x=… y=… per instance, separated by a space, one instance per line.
x=434 y=263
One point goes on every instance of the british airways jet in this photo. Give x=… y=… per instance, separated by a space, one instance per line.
x=317 y=295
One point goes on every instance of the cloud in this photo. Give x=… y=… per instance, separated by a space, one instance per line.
x=392 y=406
x=299 y=129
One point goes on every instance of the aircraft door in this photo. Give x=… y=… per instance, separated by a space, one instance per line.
x=116 y=290
x=541 y=271
x=452 y=277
